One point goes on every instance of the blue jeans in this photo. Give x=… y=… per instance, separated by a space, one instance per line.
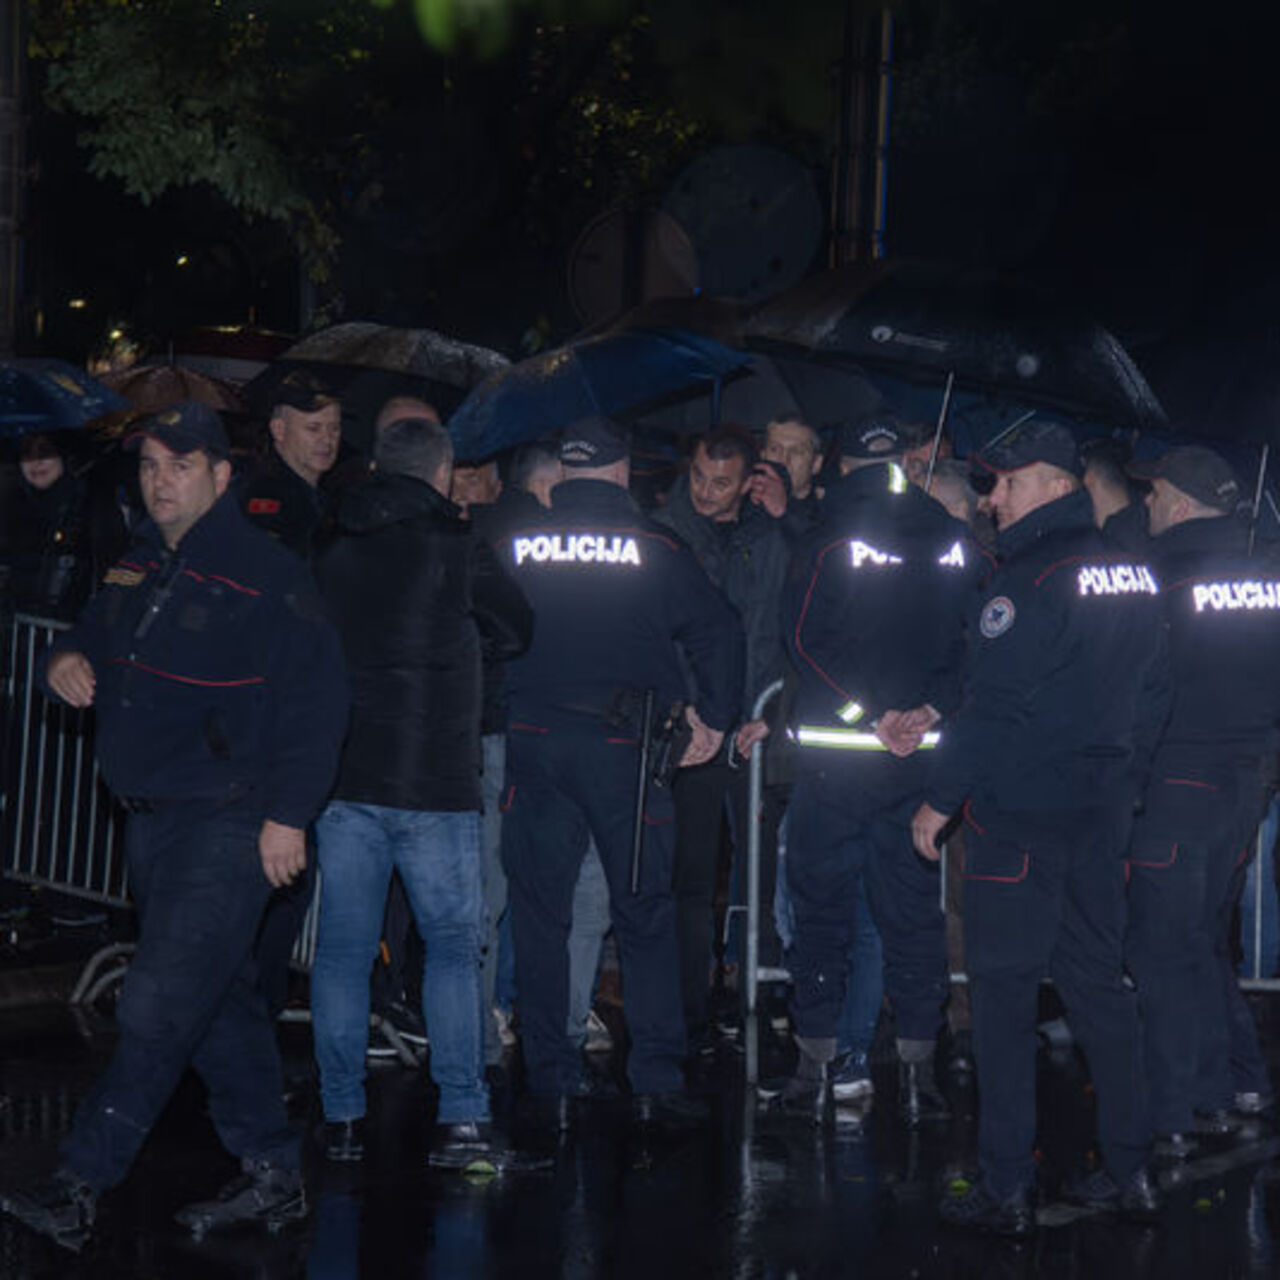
x=438 y=858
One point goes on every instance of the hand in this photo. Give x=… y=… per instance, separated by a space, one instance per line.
x=283 y=851
x=897 y=732
x=766 y=489
x=70 y=676
x=926 y=826
x=921 y=719
x=704 y=743
x=748 y=735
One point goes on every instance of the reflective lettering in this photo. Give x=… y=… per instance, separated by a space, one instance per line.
x=576 y=548
x=862 y=553
x=1115 y=580
x=1230 y=596
x=954 y=559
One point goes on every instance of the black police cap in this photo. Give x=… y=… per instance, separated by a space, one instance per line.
x=184 y=428
x=1200 y=473
x=878 y=435
x=1033 y=442
x=593 y=442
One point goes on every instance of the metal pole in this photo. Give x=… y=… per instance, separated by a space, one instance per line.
x=1257 y=494
x=755 y=801
x=937 y=435
x=883 y=99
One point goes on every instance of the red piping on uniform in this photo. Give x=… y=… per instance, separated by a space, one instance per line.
x=235 y=586
x=1059 y=564
x=1018 y=879
x=505 y=803
x=621 y=742
x=967 y=815
x=528 y=728
x=204 y=684
x=128 y=564
x=1190 y=782
x=804 y=609
x=1156 y=866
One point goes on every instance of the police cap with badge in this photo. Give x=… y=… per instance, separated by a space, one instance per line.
x=184 y=428
x=1032 y=442
x=593 y=442
x=877 y=435
x=304 y=391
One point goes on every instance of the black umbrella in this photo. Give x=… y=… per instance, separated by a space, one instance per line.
x=921 y=323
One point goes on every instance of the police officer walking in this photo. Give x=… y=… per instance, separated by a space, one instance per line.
x=221 y=701
x=874 y=619
x=1204 y=797
x=1061 y=705
x=613 y=595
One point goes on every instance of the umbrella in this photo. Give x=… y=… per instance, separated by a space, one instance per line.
x=616 y=374
x=50 y=395
x=150 y=388
x=918 y=323
x=421 y=353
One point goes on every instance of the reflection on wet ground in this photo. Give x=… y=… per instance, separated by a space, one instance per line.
x=749 y=1196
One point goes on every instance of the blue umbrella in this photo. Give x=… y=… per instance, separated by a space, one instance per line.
x=616 y=374
x=50 y=395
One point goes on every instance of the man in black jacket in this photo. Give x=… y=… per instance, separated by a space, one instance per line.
x=414 y=594
x=744 y=551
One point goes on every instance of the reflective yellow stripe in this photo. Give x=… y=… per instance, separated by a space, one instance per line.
x=853 y=739
x=897 y=479
x=850 y=713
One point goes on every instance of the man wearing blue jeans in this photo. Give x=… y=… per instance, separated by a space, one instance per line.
x=414 y=594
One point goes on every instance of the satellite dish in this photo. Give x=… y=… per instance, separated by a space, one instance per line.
x=603 y=280
x=754 y=218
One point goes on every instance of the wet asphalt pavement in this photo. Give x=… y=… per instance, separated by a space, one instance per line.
x=749 y=1195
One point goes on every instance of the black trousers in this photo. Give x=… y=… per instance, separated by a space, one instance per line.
x=1045 y=897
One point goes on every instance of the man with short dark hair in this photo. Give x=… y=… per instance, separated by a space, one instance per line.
x=413 y=593
x=221 y=699
x=1062 y=708
x=745 y=553
x=791 y=441
x=281 y=494
x=1121 y=519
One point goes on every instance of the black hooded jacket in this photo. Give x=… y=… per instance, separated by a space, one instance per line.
x=414 y=594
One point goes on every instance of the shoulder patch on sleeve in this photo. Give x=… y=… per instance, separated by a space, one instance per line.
x=264 y=506
x=998 y=615
x=119 y=576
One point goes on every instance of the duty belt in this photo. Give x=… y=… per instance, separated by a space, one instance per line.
x=808 y=735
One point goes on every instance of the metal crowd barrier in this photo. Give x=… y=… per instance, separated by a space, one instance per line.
x=60 y=825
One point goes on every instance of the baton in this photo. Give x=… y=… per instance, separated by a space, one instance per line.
x=642 y=783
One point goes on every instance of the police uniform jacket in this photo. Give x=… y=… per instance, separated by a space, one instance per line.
x=414 y=592
x=613 y=594
x=1223 y=612
x=217 y=674
x=280 y=502
x=1066 y=686
x=874 y=618
x=747 y=559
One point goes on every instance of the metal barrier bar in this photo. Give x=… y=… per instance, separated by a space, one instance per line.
x=755 y=803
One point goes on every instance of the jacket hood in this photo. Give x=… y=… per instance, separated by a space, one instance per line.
x=390 y=499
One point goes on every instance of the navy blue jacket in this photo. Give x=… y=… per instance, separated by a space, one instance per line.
x=217 y=672
x=612 y=595
x=1223 y=610
x=1066 y=687
x=874 y=616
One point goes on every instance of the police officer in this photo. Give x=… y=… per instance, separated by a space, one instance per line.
x=282 y=493
x=221 y=701
x=874 y=620
x=1204 y=795
x=1060 y=706
x=613 y=595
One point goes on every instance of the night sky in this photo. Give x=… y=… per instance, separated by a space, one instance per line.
x=1116 y=152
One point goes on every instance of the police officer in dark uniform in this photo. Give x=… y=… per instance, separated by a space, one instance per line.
x=282 y=493
x=874 y=620
x=221 y=701
x=1062 y=704
x=1204 y=797
x=613 y=595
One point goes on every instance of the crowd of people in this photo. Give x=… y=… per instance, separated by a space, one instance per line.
x=505 y=708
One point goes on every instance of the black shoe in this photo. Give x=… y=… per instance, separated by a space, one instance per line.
x=343 y=1140
x=971 y=1207
x=1137 y=1198
x=470 y=1148
x=61 y=1207
x=264 y=1193
x=1175 y=1146
x=548 y=1114
x=919 y=1098
x=669 y=1110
